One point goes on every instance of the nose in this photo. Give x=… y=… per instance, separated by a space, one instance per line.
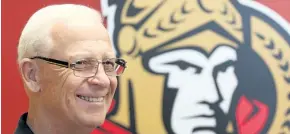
x=101 y=79
x=212 y=94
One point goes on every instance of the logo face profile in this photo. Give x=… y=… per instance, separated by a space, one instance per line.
x=199 y=66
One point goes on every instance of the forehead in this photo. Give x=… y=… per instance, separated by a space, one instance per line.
x=207 y=40
x=197 y=57
x=90 y=49
x=81 y=40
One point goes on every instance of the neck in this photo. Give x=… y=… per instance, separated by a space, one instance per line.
x=45 y=122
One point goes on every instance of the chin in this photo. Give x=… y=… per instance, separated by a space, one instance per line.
x=92 y=121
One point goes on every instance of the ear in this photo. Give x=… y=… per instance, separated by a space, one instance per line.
x=29 y=71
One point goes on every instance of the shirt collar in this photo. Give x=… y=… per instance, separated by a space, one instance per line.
x=22 y=127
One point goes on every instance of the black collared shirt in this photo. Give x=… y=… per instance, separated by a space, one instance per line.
x=22 y=127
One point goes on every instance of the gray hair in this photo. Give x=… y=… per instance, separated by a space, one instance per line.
x=35 y=38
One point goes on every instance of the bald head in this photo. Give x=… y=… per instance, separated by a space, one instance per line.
x=36 y=37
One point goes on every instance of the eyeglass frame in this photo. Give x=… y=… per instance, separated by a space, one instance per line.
x=69 y=65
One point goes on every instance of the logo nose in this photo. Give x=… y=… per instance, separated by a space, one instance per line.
x=212 y=95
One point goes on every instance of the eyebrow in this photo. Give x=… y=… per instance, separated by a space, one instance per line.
x=93 y=56
x=81 y=54
x=108 y=56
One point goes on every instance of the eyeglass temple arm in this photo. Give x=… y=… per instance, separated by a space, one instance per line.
x=121 y=62
x=53 y=61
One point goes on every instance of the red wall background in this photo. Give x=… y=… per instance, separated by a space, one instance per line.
x=14 y=16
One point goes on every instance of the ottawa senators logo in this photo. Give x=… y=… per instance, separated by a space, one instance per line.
x=200 y=66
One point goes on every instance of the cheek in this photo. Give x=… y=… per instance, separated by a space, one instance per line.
x=70 y=85
x=227 y=81
x=179 y=78
x=68 y=88
x=113 y=85
x=51 y=91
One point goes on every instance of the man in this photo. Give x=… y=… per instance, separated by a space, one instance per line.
x=69 y=70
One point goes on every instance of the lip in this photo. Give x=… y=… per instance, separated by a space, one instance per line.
x=203 y=128
x=91 y=106
x=206 y=123
x=198 y=116
x=92 y=95
x=95 y=96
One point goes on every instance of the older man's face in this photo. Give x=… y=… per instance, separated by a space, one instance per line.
x=68 y=97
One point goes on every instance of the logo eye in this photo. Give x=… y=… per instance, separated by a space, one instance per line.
x=224 y=66
x=183 y=65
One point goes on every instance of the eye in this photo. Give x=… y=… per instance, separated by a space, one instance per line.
x=183 y=65
x=109 y=65
x=224 y=66
x=81 y=64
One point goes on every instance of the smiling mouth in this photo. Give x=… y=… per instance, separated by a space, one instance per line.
x=91 y=99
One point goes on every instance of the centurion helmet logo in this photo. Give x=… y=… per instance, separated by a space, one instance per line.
x=200 y=66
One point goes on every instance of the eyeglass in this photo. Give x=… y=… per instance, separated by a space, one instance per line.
x=89 y=67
